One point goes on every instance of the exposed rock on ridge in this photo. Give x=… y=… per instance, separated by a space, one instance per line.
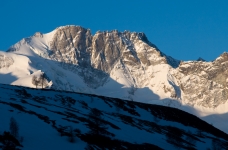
x=74 y=44
x=204 y=83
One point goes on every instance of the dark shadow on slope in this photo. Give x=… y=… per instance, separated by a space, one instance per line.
x=187 y=119
x=117 y=90
x=104 y=142
x=127 y=107
x=7 y=78
x=89 y=75
x=218 y=120
x=130 y=117
x=9 y=142
x=161 y=112
x=93 y=79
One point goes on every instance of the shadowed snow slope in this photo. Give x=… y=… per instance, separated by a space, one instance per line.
x=58 y=120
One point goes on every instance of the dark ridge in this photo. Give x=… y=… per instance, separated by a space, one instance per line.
x=163 y=112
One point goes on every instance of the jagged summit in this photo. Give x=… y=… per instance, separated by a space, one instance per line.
x=66 y=42
x=222 y=58
x=68 y=26
x=38 y=34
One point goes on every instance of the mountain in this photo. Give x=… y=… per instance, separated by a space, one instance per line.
x=49 y=119
x=121 y=65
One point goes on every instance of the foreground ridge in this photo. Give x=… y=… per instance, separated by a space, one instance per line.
x=66 y=119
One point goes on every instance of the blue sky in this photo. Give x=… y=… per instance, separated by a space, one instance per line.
x=180 y=28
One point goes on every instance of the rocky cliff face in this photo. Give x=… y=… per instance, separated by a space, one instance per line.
x=204 y=83
x=76 y=45
x=105 y=51
x=201 y=83
x=72 y=45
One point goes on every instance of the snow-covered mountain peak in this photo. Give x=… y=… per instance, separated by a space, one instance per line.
x=75 y=44
x=38 y=44
x=116 y=64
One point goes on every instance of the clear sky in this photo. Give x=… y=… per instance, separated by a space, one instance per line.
x=184 y=29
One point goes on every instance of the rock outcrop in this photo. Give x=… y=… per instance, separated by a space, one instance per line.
x=204 y=83
x=76 y=45
x=5 y=61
